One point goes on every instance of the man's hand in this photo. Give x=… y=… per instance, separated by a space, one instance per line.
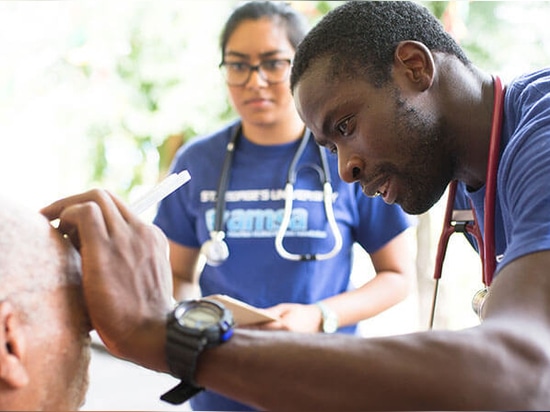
x=126 y=274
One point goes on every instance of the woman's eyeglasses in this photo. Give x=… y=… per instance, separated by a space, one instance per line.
x=272 y=71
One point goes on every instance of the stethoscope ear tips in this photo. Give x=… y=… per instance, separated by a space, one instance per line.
x=215 y=250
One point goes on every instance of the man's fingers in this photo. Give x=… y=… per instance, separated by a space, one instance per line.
x=124 y=210
x=108 y=204
x=53 y=211
x=83 y=215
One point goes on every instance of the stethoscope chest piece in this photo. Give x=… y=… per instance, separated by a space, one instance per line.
x=215 y=249
x=478 y=301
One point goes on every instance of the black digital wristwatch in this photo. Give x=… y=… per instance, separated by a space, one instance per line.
x=193 y=326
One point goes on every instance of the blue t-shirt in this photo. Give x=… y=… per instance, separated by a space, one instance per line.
x=522 y=213
x=255 y=272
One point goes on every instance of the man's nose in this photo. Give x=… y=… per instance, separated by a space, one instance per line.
x=349 y=169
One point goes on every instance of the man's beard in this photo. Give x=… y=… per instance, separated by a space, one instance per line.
x=426 y=176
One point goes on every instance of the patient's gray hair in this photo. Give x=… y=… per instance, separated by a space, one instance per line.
x=34 y=257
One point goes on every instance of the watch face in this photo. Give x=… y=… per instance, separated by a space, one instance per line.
x=199 y=316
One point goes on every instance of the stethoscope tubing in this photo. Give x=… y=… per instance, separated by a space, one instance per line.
x=324 y=177
x=224 y=179
x=489 y=261
x=327 y=200
x=486 y=242
x=217 y=235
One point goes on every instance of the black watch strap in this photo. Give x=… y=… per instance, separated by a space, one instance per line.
x=180 y=393
x=182 y=352
x=186 y=338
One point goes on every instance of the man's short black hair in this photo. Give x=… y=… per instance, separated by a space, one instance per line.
x=360 y=37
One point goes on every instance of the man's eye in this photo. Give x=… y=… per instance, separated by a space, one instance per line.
x=345 y=127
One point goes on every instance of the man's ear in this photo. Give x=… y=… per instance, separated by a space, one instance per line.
x=415 y=61
x=12 y=348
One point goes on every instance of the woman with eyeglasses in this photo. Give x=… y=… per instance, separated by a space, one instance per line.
x=231 y=212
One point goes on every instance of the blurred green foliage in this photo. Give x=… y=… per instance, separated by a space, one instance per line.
x=480 y=39
x=111 y=89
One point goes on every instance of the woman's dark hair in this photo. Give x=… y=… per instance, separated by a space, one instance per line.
x=294 y=22
x=360 y=37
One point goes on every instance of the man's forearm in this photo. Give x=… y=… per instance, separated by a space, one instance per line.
x=281 y=370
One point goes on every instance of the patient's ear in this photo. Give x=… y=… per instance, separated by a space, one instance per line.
x=12 y=348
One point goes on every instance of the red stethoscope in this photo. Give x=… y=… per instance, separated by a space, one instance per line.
x=464 y=221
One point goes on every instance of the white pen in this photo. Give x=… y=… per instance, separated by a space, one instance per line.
x=160 y=191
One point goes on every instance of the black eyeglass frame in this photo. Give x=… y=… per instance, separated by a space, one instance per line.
x=257 y=67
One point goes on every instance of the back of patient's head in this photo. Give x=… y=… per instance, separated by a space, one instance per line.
x=33 y=256
x=44 y=328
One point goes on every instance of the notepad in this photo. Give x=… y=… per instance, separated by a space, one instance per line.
x=243 y=313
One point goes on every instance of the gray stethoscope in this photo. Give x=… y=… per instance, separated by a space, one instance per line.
x=215 y=249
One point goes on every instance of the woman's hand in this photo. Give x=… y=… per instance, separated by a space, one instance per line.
x=293 y=317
